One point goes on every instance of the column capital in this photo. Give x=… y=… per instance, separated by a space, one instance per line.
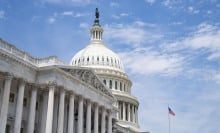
x=88 y=101
x=103 y=108
x=71 y=92
x=8 y=76
x=61 y=89
x=96 y=104
x=22 y=81
x=109 y=111
x=80 y=97
x=33 y=85
x=52 y=83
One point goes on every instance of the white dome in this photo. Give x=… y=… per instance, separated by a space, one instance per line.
x=97 y=55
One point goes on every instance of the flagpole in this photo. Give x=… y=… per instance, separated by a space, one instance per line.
x=169 y=121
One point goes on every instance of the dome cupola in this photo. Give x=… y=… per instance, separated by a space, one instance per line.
x=96 y=54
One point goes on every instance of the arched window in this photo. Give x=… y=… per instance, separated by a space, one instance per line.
x=104 y=81
x=110 y=84
x=120 y=86
x=107 y=59
x=98 y=59
x=88 y=59
x=102 y=59
x=116 y=85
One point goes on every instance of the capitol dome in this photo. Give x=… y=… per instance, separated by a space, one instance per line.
x=109 y=68
x=96 y=54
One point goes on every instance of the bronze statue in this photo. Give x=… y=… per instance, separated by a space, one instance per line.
x=96 y=13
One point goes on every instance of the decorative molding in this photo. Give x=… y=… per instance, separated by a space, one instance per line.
x=90 y=78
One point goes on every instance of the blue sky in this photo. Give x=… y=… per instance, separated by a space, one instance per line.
x=170 y=50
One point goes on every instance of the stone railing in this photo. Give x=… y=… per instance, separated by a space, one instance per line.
x=40 y=62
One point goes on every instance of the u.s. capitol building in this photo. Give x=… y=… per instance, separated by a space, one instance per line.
x=91 y=94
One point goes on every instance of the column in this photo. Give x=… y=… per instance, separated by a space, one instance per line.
x=129 y=112
x=61 y=112
x=132 y=112
x=137 y=114
x=55 y=113
x=43 y=110
x=110 y=122
x=103 y=120
x=5 y=100
x=32 y=111
x=80 y=115
x=96 y=118
x=49 y=117
x=19 y=107
x=71 y=114
x=117 y=115
x=88 y=117
x=123 y=108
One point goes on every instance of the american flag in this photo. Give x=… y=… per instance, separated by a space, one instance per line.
x=170 y=111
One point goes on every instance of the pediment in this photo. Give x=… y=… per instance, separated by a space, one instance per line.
x=88 y=77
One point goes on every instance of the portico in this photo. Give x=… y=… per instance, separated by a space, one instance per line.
x=59 y=97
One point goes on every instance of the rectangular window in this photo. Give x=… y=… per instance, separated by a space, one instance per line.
x=12 y=97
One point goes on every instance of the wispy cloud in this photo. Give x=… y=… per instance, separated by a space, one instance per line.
x=51 y=20
x=147 y=62
x=81 y=14
x=67 y=13
x=120 y=15
x=150 y=1
x=84 y=25
x=67 y=2
x=171 y=3
x=2 y=14
x=131 y=34
x=192 y=10
x=35 y=18
x=216 y=77
x=114 y=4
x=206 y=37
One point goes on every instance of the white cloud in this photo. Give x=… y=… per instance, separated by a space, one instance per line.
x=119 y=16
x=123 y=14
x=67 y=2
x=206 y=37
x=113 y=4
x=209 y=12
x=67 y=13
x=147 y=62
x=51 y=20
x=130 y=34
x=150 y=1
x=81 y=14
x=2 y=14
x=141 y=23
x=84 y=25
x=171 y=3
x=216 y=77
x=177 y=23
x=192 y=10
